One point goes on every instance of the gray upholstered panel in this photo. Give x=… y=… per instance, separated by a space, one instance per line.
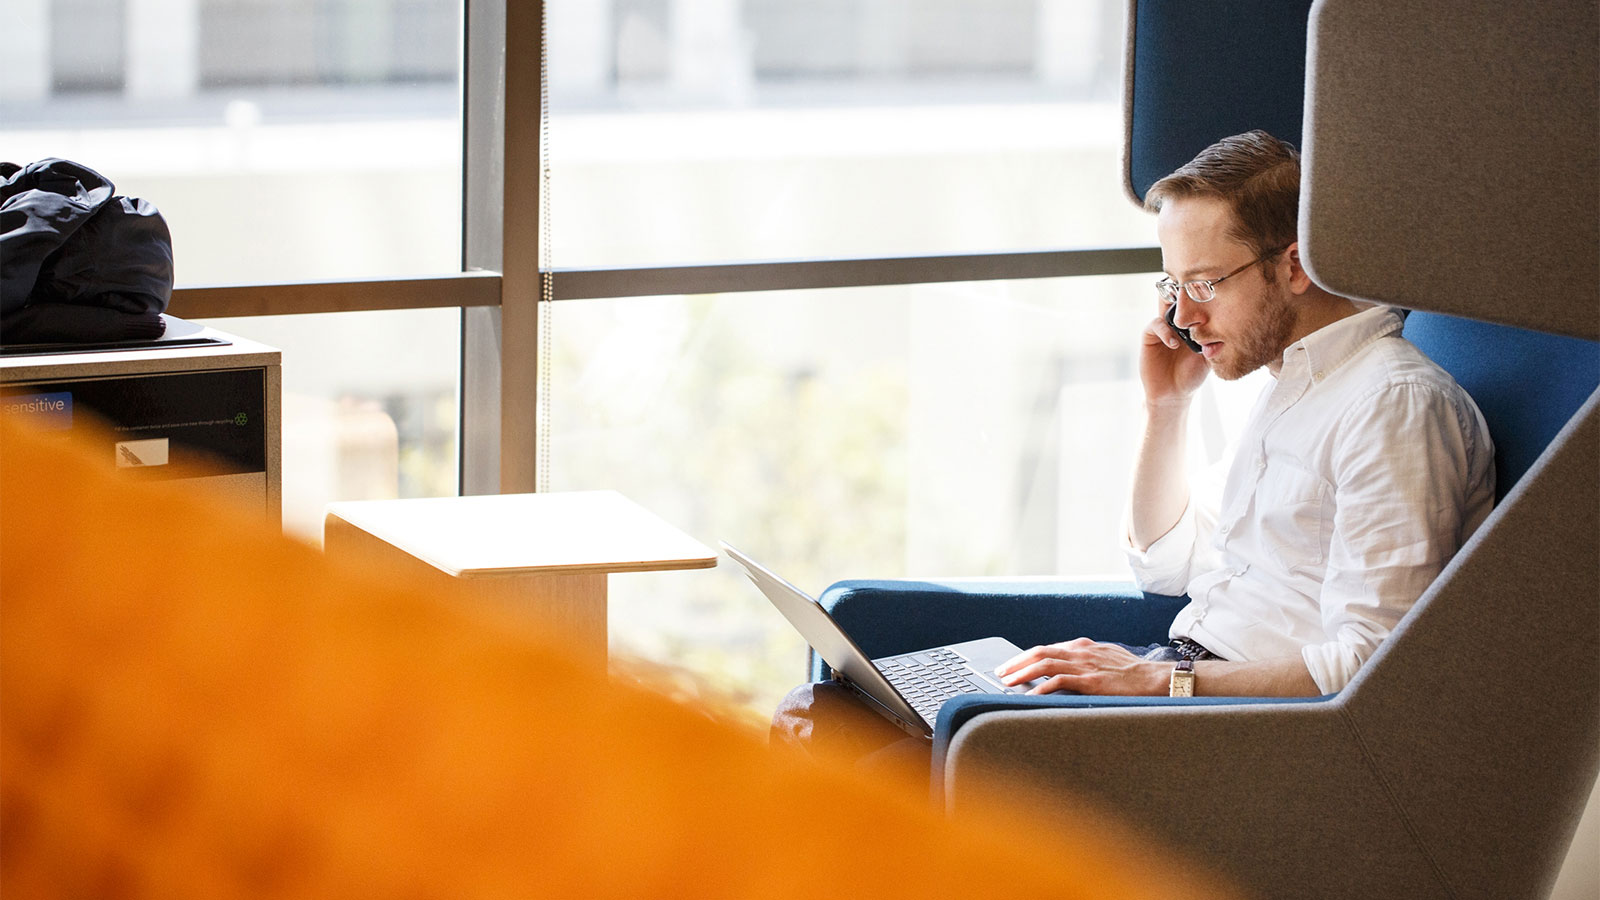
x=1452 y=158
x=1482 y=710
x=1280 y=801
x=1456 y=764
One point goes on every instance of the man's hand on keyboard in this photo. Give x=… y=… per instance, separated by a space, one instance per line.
x=1086 y=667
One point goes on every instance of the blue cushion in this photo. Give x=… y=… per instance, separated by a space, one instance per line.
x=1203 y=71
x=1527 y=383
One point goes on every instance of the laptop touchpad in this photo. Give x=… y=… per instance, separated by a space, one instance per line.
x=988 y=654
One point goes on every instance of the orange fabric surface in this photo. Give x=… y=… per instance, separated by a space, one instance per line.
x=192 y=706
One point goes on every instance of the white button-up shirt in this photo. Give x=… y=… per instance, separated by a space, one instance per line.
x=1363 y=468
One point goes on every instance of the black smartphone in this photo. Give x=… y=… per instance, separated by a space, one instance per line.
x=1183 y=333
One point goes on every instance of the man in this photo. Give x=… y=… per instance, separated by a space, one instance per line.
x=1362 y=470
x=1364 y=466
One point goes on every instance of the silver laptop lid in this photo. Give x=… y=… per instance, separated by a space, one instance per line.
x=826 y=637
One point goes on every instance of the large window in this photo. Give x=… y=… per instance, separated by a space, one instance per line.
x=952 y=427
x=963 y=429
x=703 y=130
x=830 y=276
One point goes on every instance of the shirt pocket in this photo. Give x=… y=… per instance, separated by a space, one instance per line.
x=1294 y=512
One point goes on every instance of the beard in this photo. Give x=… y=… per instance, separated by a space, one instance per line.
x=1263 y=339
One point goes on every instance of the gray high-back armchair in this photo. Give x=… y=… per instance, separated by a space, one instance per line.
x=1450 y=155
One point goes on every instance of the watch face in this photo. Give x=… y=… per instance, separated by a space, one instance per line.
x=1182 y=684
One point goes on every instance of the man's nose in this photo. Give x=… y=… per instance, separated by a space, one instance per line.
x=1189 y=313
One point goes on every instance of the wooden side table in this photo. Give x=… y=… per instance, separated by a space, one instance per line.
x=550 y=554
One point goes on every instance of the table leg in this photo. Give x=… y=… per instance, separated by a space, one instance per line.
x=571 y=609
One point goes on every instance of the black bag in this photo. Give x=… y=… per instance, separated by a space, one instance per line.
x=77 y=263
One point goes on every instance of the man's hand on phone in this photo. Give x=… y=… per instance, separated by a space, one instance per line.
x=1170 y=371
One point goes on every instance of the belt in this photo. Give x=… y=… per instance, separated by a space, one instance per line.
x=1187 y=649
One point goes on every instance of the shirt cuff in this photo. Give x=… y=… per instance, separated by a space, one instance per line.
x=1331 y=665
x=1163 y=567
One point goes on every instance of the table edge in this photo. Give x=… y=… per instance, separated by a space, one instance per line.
x=602 y=568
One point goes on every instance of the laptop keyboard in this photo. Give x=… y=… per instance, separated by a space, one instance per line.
x=929 y=678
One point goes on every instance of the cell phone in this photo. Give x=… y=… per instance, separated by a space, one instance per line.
x=1183 y=333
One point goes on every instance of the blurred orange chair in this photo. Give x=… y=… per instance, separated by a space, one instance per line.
x=192 y=706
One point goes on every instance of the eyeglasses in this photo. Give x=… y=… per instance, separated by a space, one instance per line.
x=1206 y=291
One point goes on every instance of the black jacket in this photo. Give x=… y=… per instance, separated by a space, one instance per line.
x=77 y=263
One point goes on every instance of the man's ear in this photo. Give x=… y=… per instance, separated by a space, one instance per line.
x=1299 y=280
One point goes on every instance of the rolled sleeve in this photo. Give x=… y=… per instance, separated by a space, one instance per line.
x=1164 y=567
x=1333 y=664
x=1172 y=561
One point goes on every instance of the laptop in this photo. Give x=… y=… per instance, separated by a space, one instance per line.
x=909 y=688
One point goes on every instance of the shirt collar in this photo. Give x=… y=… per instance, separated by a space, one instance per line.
x=1329 y=347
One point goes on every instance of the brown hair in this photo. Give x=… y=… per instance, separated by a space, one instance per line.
x=1256 y=173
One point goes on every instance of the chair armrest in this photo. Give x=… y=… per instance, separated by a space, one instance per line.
x=959 y=711
x=898 y=616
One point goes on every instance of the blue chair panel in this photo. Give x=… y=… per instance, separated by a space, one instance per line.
x=1203 y=71
x=1528 y=384
x=898 y=616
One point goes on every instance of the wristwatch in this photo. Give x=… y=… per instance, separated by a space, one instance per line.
x=1182 y=684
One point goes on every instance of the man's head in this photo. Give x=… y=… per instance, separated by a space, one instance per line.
x=1234 y=204
x=1259 y=178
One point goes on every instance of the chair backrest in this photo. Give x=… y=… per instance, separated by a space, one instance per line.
x=1449 y=166
x=1450 y=160
x=1198 y=72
